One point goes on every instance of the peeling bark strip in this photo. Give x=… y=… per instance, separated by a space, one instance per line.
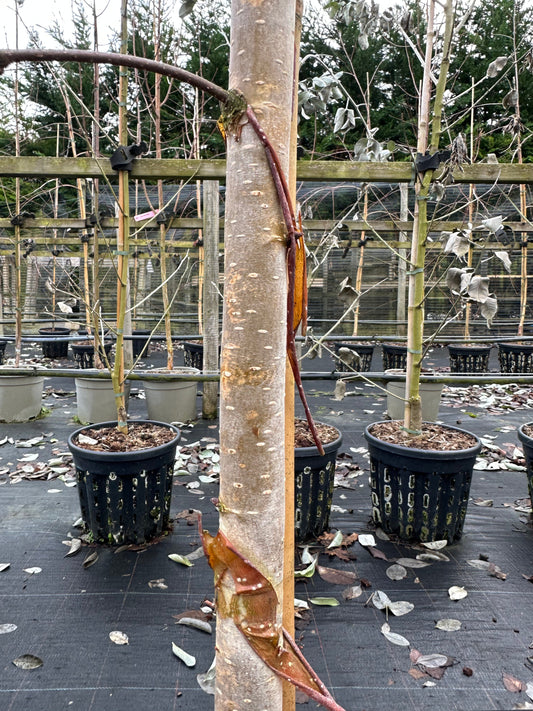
x=253 y=610
x=295 y=262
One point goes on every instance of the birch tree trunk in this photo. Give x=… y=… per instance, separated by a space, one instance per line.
x=254 y=340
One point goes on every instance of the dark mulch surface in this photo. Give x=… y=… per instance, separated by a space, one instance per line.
x=143 y=435
x=433 y=437
x=304 y=438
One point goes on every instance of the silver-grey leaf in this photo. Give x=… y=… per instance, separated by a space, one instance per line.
x=448 y=625
x=75 y=546
x=119 y=637
x=432 y=661
x=206 y=681
x=393 y=637
x=28 y=661
x=90 y=560
x=185 y=657
x=496 y=66
x=411 y=563
x=7 y=627
x=505 y=259
x=197 y=624
x=396 y=572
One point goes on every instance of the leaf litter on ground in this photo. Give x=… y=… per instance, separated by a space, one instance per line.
x=382 y=601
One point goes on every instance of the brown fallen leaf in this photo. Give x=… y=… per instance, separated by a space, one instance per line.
x=414 y=655
x=376 y=553
x=513 y=684
x=348 y=539
x=435 y=673
x=190 y=516
x=495 y=571
x=417 y=673
x=197 y=614
x=336 y=577
x=528 y=577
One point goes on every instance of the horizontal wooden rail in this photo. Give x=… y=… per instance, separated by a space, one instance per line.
x=215 y=169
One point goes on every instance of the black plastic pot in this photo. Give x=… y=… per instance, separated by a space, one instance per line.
x=420 y=495
x=139 y=343
x=3 y=345
x=83 y=352
x=362 y=360
x=56 y=347
x=527 y=446
x=193 y=355
x=515 y=357
x=314 y=478
x=394 y=356
x=125 y=496
x=469 y=359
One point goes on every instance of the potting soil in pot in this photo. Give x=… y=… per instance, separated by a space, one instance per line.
x=420 y=485
x=125 y=484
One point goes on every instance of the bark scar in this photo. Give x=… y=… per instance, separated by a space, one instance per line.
x=253 y=608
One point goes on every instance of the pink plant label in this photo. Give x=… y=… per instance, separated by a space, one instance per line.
x=145 y=215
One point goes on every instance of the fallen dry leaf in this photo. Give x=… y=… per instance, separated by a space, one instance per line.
x=457 y=593
x=513 y=684
x=352 y=592
x=90 y=560
x=7 y=627
x=396 y=572
x=448 y=625
x=376 y=553
x=336 y=577
x=393 y=637
x=28 y=661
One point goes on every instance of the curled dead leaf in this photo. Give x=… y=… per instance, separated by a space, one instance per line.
x=90 y=560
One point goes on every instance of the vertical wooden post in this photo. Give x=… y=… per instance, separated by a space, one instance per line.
x=289 y=692
x=211 y=299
